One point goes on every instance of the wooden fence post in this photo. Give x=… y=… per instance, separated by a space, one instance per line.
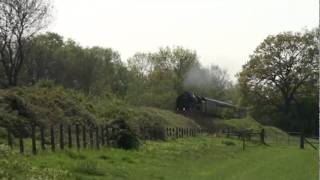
x=42 y=138
x=9 y=138
x=91 y=137
x=69 y=136
x=107 y=134
x=97 y=137
x=33 y=138
x=172 y=133
x=182 y=132
x=78 y=136
x=243 y=141
x=53 y=146
x=102 y=135
x=177 y=132
x=21 y=145
x=262 y=135
x=84 y=136
x=302 y=139
x=61 y=137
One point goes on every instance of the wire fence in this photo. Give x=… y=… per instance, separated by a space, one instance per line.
x=67 y=136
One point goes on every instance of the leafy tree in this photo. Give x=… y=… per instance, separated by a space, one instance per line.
x=41 y=58
x=19 y=21
x=280 y=67
x=158 y=77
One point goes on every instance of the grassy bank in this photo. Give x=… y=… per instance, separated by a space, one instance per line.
x=191 y=158
x=46 y=104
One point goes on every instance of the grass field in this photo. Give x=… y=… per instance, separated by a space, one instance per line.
x=190 y=158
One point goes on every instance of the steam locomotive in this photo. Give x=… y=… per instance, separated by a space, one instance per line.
x=191 y=102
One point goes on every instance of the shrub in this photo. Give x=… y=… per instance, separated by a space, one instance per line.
x=123 y=136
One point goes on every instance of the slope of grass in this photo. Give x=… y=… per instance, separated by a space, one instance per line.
x=191 y=158
x=240 y=124
x=247 y=123
x=46 y=103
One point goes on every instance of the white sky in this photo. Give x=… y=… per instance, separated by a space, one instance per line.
x=223 y=32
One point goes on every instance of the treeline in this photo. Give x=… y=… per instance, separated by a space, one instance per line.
x=278 y=84
x=147 y=79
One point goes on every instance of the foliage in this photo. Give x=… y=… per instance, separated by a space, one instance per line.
x=46 y=104
x=123 y=136
x=91 y=70
x=158 y=77
x=280 y=72
x=228 y=113
x=19 y=21
x=161 y=76
x=239 y=124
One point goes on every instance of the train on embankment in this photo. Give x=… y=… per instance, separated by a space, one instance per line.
x=190 y=102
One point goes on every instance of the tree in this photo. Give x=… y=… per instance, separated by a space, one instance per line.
x=19 y=21
x=41 y=58
x=158 y=77
x=279 y=68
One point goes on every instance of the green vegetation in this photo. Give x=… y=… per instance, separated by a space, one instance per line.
x=248 y=123
x=46 y=103
x=16 y=166
x=239 y=124
x=47 y=80
x=190 y=158
x=280 y=81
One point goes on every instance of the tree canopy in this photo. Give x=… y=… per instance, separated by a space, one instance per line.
x=19 y=21
x=281 y=71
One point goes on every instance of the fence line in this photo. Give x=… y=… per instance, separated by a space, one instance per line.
x=78 y=136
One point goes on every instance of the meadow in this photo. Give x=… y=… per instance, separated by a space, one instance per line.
x=194 y=158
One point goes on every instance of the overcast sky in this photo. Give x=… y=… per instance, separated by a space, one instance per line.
x=223 y=32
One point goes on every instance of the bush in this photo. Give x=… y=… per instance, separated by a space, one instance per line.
x=123 y=136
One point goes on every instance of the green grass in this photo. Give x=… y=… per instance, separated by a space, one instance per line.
x=239 y=124
x=190 y=158
x=273 y=134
